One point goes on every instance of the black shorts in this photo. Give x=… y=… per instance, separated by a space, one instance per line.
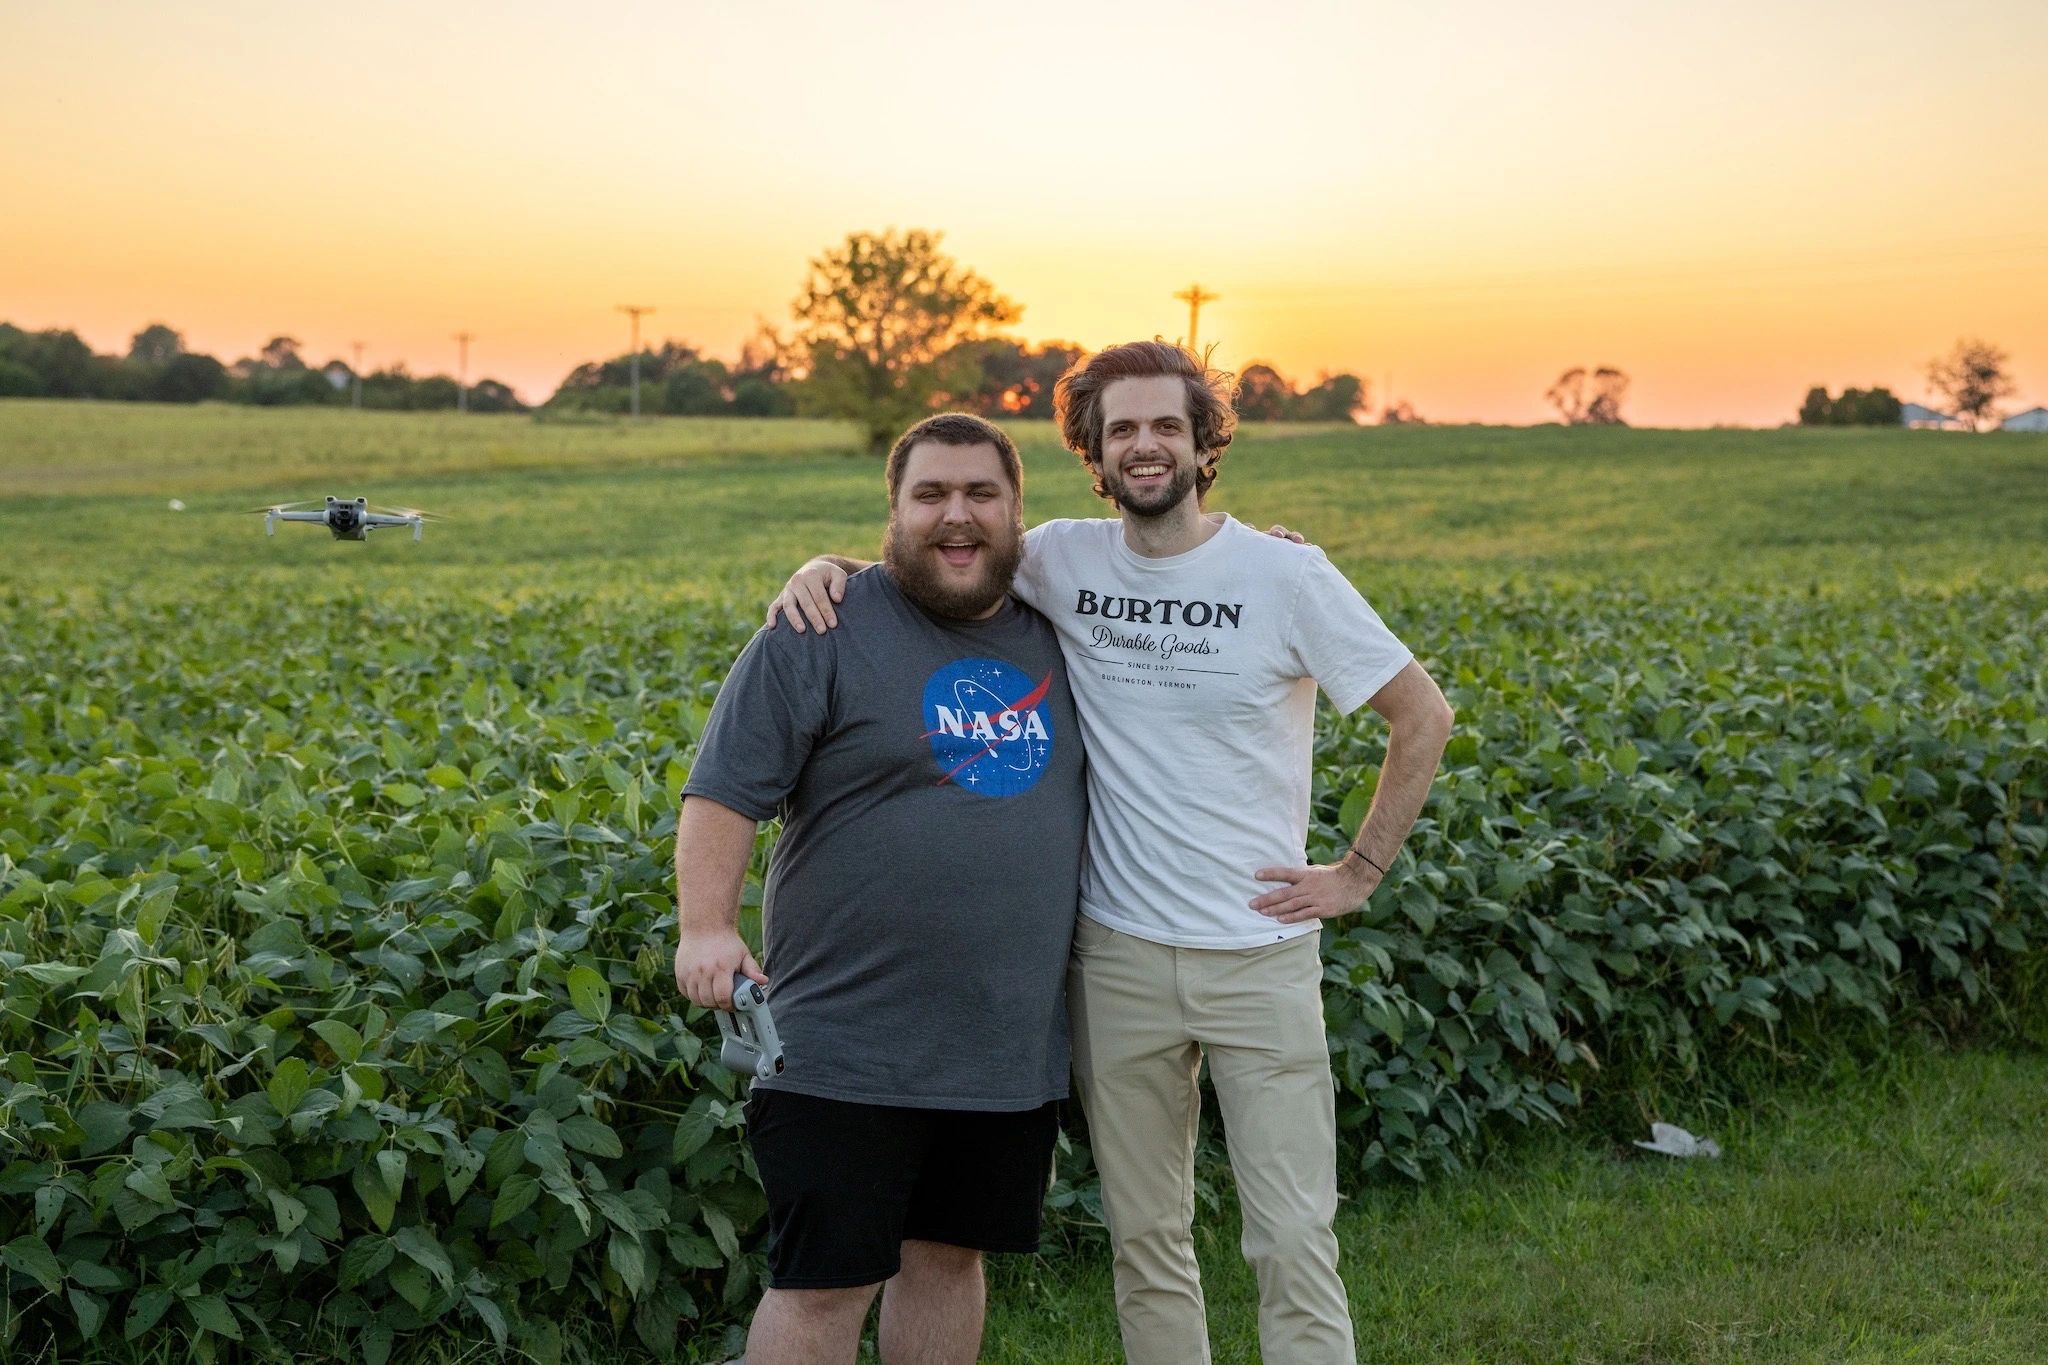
x=848 y=1183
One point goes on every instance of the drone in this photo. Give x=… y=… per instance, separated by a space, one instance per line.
x=347 y=518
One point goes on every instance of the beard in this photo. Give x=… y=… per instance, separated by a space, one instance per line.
x=1153 y=502
x=913 y=561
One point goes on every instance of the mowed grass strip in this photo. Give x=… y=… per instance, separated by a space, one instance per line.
x=1888 y=1215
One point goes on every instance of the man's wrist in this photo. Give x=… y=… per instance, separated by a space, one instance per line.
x=1354 y=856
x=700 y=925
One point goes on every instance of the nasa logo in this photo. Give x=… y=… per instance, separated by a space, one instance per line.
x=989 y=726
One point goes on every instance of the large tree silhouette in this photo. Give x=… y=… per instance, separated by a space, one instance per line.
x=876 y=314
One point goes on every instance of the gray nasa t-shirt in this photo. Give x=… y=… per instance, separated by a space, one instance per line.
x=921 y=899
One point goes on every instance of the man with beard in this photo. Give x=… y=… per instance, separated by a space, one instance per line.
x=919 y=907
x=1196 y=647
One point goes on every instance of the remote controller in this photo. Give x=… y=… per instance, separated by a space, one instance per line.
x=750 y=1045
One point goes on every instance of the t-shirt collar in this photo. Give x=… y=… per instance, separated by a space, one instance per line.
x=998 y=617
x=1125 y=555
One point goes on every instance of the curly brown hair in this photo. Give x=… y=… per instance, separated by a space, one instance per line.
x=1212 y=395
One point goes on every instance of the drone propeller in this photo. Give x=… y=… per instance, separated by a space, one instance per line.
x=409 y=512
x=284 y=506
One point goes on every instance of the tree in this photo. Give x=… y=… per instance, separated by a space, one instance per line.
x=282 y=353
x=876 y=315
x=60 y=361
x=1610 y=386
x=189 y=378
x=1568 y=395
x=18 y=380
x=1599 y=407
x=1402 y=414
x=696 y=389
x=1880 y=408
x=491 y=395
x=1263 y=394
x=155 y=344
x=1000 y=377
x=1335 y=398
x=1974 y=377
x=763 y=382
x=435 y=393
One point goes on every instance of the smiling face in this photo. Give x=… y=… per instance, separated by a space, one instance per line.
x=956 y=531
x=1149 y=460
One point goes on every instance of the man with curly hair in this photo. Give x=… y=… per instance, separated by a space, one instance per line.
x=1195 y=647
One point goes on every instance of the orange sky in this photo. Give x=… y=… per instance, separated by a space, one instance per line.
x=1730 y=202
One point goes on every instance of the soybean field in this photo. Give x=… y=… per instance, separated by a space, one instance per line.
x=336 y=908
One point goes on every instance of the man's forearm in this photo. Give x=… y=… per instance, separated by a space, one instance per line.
x=844 y=564
x=713 y=844
x=1414 y=750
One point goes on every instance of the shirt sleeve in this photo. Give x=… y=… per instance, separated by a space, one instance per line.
x=1032 y=583
x=1338 y=639
x=772 y=709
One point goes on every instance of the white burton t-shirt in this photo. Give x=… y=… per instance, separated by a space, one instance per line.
x=1195 y=678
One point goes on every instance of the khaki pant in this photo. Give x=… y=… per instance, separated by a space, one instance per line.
x=1144 y=1014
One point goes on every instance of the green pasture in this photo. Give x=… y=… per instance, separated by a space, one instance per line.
x=696 y=507
x=335 y=1014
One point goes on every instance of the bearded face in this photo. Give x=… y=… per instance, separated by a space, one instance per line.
x=1149 y=486
x=956 y=531
x=1148 y=460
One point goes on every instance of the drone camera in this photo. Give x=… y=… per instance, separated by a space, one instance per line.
x=344 y=515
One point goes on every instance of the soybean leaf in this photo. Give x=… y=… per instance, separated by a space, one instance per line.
x=586 y=1134
x=590 y=994
x=33 y=1258
x=513 y=1198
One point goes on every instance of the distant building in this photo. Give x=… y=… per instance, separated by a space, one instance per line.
x=1927 y=419
x=2033 y=419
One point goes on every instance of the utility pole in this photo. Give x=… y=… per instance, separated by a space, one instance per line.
x=462 y=373
x=634 y=310
x=1194 y=296
x=356 y=400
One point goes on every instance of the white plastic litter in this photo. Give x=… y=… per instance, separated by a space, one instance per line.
x=1675 y=1141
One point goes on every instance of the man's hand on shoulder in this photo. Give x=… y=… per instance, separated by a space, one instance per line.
x=1276 y=529
x=1321 y=892
x=812 y=590
x=809 y=595
x=706 y=961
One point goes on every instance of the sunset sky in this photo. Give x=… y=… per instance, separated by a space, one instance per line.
x=1730 y=202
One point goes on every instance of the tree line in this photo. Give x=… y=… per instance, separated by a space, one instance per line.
x=886 y=328
x=158 y=368
x=1973 y=378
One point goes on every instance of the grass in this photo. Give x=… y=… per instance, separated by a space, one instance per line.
x=1890 y=1212
x=730 y=506
x=1886 y=1209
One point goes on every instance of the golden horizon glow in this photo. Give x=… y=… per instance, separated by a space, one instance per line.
x=1730 y=204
